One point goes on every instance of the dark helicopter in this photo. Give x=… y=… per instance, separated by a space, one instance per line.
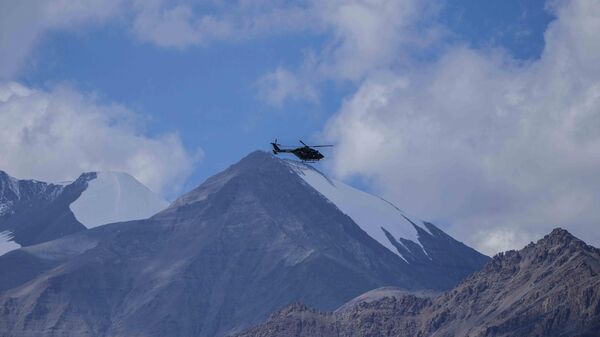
x=304 y=153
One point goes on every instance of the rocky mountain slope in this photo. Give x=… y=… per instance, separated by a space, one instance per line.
x=33 y=212
x=551 y=288
x=248 y=241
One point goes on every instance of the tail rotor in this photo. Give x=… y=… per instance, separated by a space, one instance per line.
x=276 y=148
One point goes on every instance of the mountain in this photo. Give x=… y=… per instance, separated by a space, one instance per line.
x=248 y=241
x=32 y=211
x=551 y=288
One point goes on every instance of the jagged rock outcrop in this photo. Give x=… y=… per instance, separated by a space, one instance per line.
x=392 y=315
x=33 y=211
x=550 y=288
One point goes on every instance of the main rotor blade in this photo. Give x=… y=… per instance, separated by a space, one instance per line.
x=321 y=145
x=302 y=142
x=281 y=145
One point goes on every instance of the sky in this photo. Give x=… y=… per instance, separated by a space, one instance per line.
x=480 y=116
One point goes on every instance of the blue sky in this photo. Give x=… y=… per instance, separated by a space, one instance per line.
x=208 y=94
x=464 y=112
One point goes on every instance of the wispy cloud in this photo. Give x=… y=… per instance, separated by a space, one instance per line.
x=282 y=85
x=362 y=37
x=182 y=24
x=166 y=24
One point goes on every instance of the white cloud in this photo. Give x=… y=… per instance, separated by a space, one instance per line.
x=283 y=85
x=57 y=134
x=368 y=35
x=363 y=37
x=178 y=24
x=505 y=151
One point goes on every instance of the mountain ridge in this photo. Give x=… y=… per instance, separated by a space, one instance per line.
x=33 y=211
x=549 y=288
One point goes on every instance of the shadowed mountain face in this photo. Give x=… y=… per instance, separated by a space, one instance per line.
x=33 y=211
x=551 y=288
x=247 y=242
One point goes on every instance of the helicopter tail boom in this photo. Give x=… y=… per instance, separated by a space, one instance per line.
x=276 y=148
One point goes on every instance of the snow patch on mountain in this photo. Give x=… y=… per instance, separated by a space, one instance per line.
x=115 y=197
x=371 y=213
x=6 y=243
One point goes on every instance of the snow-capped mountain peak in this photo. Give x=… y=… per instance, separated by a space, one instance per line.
x=114 y=197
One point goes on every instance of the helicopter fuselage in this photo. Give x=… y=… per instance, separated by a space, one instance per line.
x=303 y=153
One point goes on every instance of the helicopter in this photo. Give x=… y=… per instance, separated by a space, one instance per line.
x=306 y=153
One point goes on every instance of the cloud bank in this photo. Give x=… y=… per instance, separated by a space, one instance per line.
x=500 y=149
x=57 y=134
